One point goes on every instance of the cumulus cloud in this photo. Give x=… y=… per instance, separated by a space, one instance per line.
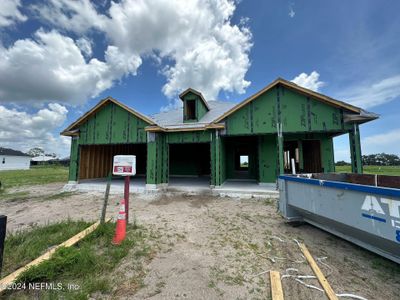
x=205 y=50
x=51 y=67
x=22 y=130
x=10 y=13
x=375 y=93
x=310 y=81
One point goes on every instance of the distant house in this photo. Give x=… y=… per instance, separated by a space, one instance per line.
x=42 y=159
x=13 y=160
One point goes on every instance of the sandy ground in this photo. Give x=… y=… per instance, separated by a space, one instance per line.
x=219 y=248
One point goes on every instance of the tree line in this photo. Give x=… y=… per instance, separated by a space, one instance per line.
x=379 y=159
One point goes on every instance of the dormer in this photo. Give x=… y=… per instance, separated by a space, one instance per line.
x=194 y=105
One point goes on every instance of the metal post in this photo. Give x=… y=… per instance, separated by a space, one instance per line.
x=126 y=197
x=3 y=225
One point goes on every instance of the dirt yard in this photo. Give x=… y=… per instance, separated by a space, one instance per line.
x=218 y=248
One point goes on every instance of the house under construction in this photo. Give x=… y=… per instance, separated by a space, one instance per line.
x=254 y=140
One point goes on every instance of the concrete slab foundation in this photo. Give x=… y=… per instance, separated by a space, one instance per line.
x=188 y=185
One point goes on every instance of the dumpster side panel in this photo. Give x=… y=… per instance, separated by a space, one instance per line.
x=368 y=216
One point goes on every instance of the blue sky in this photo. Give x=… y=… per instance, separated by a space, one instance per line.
x=58 y=58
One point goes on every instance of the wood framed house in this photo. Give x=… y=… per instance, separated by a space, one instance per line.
x=251 y=140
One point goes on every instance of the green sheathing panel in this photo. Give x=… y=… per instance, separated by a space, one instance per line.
x=201 y=109
x=327 y=153
x=267 y=158
x=355 y=150
x=74 y=160
x=296 y=112
x=157 y=159
x=259 y=116
x=218 y=168
x=112 y=125
x=302 y=113
x=189 y=137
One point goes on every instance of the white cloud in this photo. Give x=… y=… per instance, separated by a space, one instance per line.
x=207 y=51
x=85 y=45
x=373 y=94
x=311 y=81
x=22 y=130
x=51 y=67
x=384 y=142
x=292 y=13
x=9 y=13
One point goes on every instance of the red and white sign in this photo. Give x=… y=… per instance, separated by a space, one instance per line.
x=124 y=165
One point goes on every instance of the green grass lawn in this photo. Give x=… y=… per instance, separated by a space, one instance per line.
x=35 y=175
x=88 y=265
x=380 y=170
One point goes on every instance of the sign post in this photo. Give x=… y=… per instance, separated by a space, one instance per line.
x=125 y=165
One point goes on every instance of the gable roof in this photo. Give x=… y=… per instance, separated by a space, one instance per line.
x=197 y=93
x=71 y=129
x=11 y=152
x=301 y=90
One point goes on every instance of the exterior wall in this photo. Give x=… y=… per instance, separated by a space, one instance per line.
x=112 y=125
x=296 y=113
x=14 y=162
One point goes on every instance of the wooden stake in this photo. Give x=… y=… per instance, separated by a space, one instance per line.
x=9 y=279
x=317 y=271
x=276 y=285
x=104 y=209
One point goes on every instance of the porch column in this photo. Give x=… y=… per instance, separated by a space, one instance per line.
x=74 y=159
x=281 y=168
x=267 y=159
x=355 y=150
x=217 y=159
x=157 y=159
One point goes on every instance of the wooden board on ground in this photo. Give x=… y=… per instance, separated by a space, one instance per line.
x=9 y=279
x=276 y=285
x=317 y=271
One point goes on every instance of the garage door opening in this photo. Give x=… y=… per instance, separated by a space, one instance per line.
x=95 y=161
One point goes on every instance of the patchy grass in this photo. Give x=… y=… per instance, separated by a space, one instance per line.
x=87 y=266
x=35 y=175
x=380 y=170
x=24 y=246
x=17 y=196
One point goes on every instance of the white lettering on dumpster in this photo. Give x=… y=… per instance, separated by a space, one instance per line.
x=393 y=207
x=371 y=203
